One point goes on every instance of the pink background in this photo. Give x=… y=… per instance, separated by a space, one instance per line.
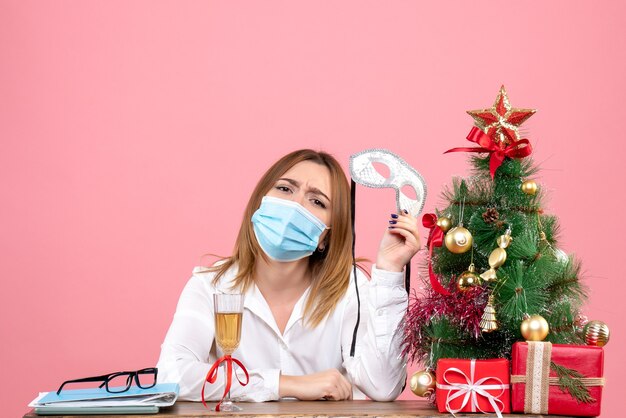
x=133 y=132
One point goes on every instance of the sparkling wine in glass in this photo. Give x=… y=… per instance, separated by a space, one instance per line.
x=228 y=309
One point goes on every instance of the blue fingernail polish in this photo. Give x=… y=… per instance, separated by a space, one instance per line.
x=394 y=216
x=391 y=227
x=393 y=222
x=405 y=211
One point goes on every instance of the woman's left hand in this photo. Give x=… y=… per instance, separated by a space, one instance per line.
x=399 y=243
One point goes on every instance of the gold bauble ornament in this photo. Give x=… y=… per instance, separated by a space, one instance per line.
x=535 y=328
x=458 y=240
x=529 y=187
x=468 y=279
x=596 y=333
x=423 y=383
x=444 y=223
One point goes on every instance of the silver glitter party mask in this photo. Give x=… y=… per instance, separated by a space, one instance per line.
x=401 y=174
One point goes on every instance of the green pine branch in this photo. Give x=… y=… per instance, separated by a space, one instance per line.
x=569 y=381
x=515 y=169
x=567 y=283
x=521 y=292
x=449 y=340
x=561 y=318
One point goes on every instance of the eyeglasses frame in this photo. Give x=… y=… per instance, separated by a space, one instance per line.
x=106 y=378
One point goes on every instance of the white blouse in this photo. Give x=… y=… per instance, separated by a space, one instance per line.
x=378 y=369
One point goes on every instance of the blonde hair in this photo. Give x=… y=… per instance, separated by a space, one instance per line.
x=330 y=269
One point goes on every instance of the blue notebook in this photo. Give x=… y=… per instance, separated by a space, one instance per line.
x=164 y=390
x=105 y=410
x=99 y=401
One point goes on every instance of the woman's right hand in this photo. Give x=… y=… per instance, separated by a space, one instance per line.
x=329 y=384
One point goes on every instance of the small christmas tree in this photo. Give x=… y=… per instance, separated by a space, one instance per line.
x=494 y=254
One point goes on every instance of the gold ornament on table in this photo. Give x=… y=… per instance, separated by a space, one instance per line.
x=529 y=187
x=488 y=322
x=534 y=328
x=596 y=333
x=501 y=121
x=497 y=256
x=444 y=223
x=423 y=383
x=459 y=240
x=468 y=279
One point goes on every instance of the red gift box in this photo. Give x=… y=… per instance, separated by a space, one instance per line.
x=535 y=383
x=473 y=386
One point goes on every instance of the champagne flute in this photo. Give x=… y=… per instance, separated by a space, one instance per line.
x=228 y=310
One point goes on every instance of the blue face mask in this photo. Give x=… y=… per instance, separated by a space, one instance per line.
x=285 y=230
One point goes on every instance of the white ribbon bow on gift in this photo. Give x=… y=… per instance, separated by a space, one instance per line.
x=471 y=389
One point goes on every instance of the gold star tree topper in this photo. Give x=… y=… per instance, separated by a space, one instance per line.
x=501 y=121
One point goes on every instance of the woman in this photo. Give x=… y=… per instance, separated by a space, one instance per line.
x=293 y=261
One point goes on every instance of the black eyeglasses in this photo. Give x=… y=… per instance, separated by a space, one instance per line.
x=120 y=381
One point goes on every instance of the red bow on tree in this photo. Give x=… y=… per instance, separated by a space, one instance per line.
x=435 y=239
x=517 y=149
